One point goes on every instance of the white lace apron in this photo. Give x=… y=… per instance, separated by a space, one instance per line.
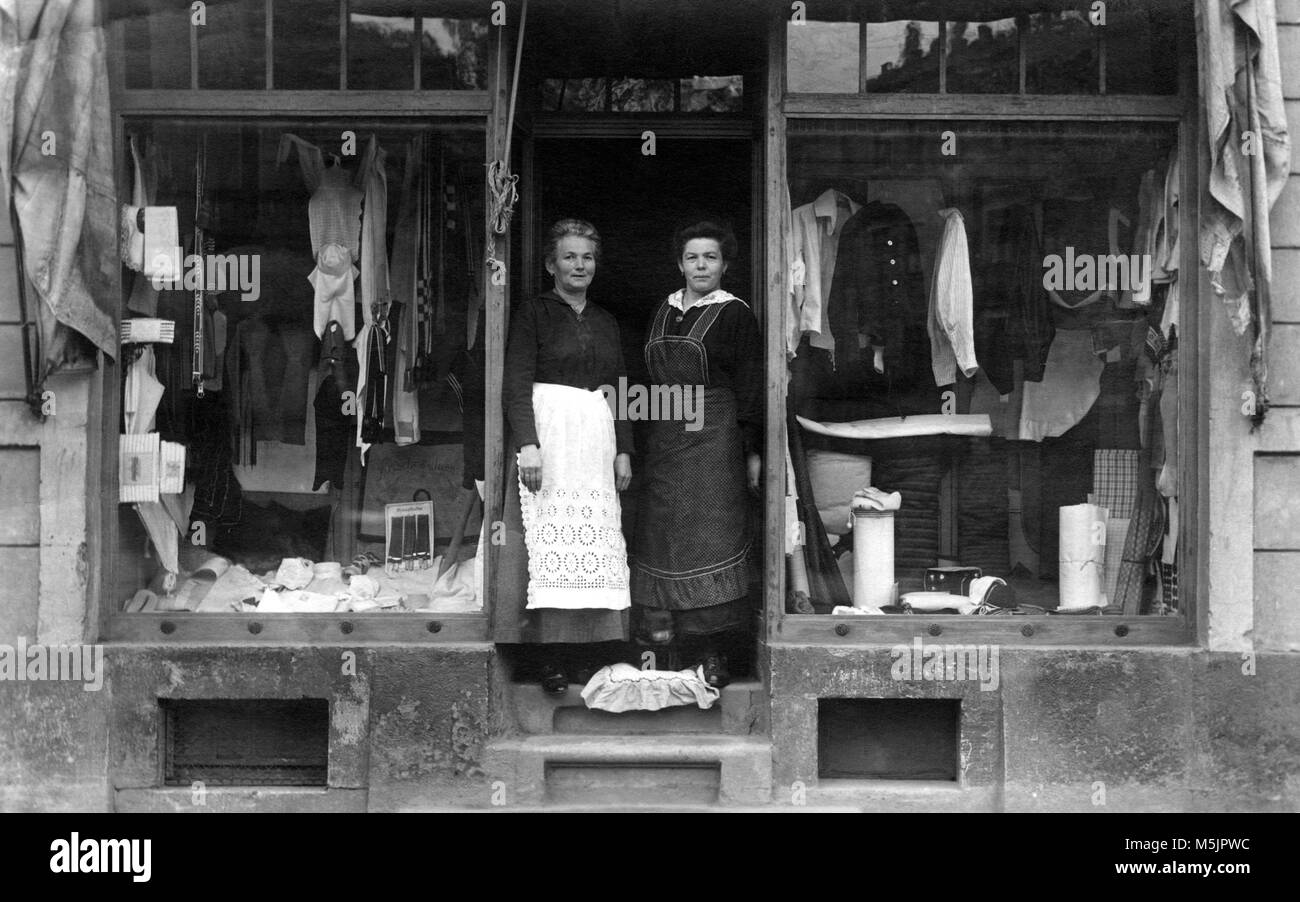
x=577 y=556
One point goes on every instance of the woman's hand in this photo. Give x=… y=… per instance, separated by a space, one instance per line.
x=530 y=467
x=754 y=464
x=622 y=472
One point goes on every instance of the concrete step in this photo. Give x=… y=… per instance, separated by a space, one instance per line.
x=670 y=769
x=740 y=710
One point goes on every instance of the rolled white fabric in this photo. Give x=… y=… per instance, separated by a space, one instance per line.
x=873 y=557
x=1082 y=555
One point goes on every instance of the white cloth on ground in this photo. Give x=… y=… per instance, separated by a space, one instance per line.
x=622 y=687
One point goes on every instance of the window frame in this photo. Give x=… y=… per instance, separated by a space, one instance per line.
x=1036 y=630
x=254 y=106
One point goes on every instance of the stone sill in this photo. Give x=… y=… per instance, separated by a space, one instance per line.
x=1045 y=630
x=233 y=799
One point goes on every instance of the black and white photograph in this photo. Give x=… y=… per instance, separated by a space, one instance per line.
x=651 y=406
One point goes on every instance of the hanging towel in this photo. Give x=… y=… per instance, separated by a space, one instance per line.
x=162 y=244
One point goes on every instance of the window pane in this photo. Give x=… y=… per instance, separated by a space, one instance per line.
x=158 y=49
x=583 y=95
x=306 y=45
x=232 y=46
x=642 y=95
x=983 y=57
x=551 y=88
x=453 y=54
x=271 y=472
x=822 y=57
x=713 y=94
x=1061 y=54
x=379 y=52
x=903 y=57
x=1046 y=370
x=1140 y=41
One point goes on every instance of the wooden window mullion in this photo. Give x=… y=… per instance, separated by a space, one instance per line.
x=269 y=9
x=343 y=45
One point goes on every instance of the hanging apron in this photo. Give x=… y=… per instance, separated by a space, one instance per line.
x=692 y=530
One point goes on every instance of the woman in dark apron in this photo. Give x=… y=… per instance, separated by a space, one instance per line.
x=690 y=561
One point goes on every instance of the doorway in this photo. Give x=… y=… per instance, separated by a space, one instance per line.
x=637 y=202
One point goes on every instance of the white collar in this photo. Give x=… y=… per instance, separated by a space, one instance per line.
x=827 y=207
x=717 y=296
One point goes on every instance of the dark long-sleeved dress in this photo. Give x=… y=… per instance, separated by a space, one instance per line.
x=553 y=346
x=691 y=550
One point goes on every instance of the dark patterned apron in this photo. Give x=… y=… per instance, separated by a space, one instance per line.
x=692 y=534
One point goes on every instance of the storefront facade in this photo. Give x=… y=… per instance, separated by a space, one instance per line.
x=1044 y=126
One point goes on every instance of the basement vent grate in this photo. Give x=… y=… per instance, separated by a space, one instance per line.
x=888 y=738
x=245 y=742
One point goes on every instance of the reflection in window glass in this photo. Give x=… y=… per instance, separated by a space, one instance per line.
x=642 y=95
x=251 y=498
x=551 y=88
x=822 y=57
x=453 y=54
x=158 y=50
x=724 y=94
x=983 y=57
x=1047 y=374
x=1140 y=39
x=306 y=45
x=232 y=45
x=583 y=95
x=379 y=52
x=903 y=57
x=1061 y=54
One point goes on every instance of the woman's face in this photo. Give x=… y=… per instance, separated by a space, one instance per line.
x=702 y=265
x=575 y=264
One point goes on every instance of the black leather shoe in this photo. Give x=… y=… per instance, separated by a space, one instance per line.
x=715 y=671
x=554 y=680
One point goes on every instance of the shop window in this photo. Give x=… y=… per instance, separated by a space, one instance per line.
x=960 y=47
x=227 y=42
x=983 y=57
x=902 y=57
x=1061 y=53
x=232 y=45
x=717 y=94
x=453 y=54
x=642 y=95
x=822 y=57
x=887 y=738
x=305 y=45
x=698 y=94
x=157 y=46
x=988 y=314
x=241 y=485
x=379 y=51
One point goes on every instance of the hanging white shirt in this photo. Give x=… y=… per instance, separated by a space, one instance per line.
x=817 y=230
x=952 y=300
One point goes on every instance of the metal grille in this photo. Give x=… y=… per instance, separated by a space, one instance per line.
x=245 y=742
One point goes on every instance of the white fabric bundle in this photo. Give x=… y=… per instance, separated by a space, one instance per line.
x=621 y=687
